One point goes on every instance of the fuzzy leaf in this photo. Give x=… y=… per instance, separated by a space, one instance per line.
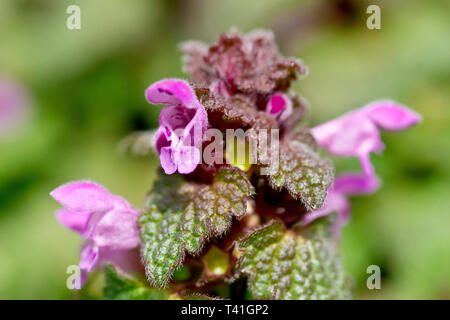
x=304 y=174
x=236 y=111
x=119 y=287
x=249 y=64
x=288 y=264
x=194 y=61
x=122 y=288
x=198 y=296
x=180 y=216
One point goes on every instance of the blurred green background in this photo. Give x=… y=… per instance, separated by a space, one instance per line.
x=87 y=92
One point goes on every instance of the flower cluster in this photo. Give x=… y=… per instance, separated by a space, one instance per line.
x=259 y=220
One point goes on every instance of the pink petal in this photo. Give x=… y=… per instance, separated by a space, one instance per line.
x=353 y=184
x=279 y=104
x=179 y=123
x=324 y=133
x=94 y=219
x=194 y=131
x=83 y=279
x=356 y=133
x=89 y=256
x=393 y=116
x=174 y=117
x=167 y=160
x=172 y=91
x=160 y=140
x=351 y=135
x=117 y=229
x=334 y=202
x=83 y=196
x=188 y=159
x=75 y=221
x=124 y=260
x=182 y=124
x=122 y=204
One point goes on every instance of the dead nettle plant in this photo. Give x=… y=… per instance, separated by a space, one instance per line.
x=266 y=227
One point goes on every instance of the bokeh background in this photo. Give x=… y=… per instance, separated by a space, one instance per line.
x=86 y=92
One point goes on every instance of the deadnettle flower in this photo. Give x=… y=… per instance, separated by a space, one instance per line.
x=182 y=124
x=107 y=222
x=279 y=106
x=357 y=133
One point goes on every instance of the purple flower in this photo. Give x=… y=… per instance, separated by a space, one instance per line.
x=279 y=106
x=107 y=222
x=182 y=124
x=357 y=133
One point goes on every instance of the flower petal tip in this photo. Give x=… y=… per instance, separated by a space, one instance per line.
x=171 y=91
x=83 y=196
x=391 y=115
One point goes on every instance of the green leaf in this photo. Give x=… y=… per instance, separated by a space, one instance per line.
x=180 y=216
x=288 y=264
x=302 y=171
x=121 y=288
